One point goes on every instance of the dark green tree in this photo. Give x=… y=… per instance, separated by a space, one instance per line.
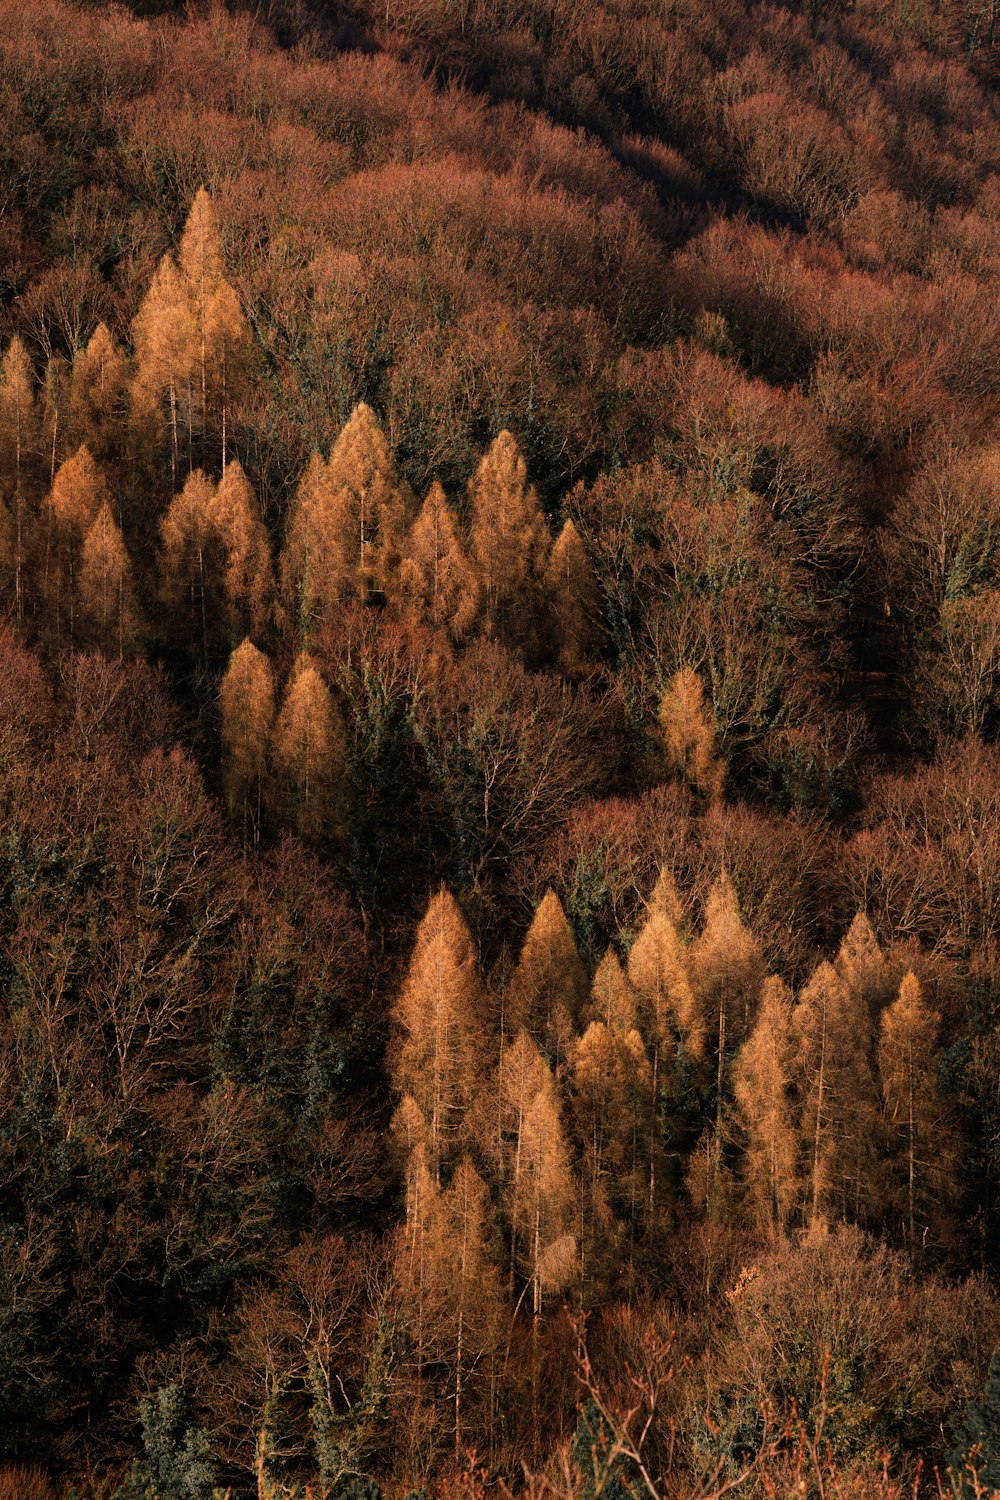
x=977 y=1446
x=176 y=1454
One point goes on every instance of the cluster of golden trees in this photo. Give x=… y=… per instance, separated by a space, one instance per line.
x=552 y=1124
x=354 y=532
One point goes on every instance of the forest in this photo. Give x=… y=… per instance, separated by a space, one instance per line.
x=500 y=750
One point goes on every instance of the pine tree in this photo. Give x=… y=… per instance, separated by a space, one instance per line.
x=309 y=748
x=509 y=543
x=763 y=1084
x=107 y=603
x=19 y=435
x=908 y=1056
x=833 y=1038
x=436 y=583
x=440 y=1016
x=573 y=599
x=247 y=582
x=548 y=989
x=246 y=700
x=688 y=731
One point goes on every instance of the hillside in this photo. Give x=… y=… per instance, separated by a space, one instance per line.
x=499 y=701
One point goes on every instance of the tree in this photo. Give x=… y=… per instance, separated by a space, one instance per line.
x=573 y=599
x=436 y=583
x=247 y=582
x=315 y=568
x=861 y=963
x=688 y=731
x=166 y=342
x=19 y=433
x=908 y=1056
x=439 y=1012
x=191 y=338
x=763 y=1085
x=246 y=700
x=220 y=333
x=974 y=1465
x=832 y=1034
x=540 y=1200
x=726 y=971
x=372 y=501
x=611 y=1101
x=97 y=388
x=309 y=750
x=78 y=494
x=473 y=1292
x=107 y=602
x=548 y=988
x=509 y=543
x=186 y=561
x=176 y=1462
x=657 y=972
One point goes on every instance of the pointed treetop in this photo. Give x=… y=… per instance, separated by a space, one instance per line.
x=79 y=489
x=612 y=997
x=360 y=455
x=200 y=253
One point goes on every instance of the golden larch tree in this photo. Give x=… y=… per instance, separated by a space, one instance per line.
x=612 y=1001
x=374 y=505
x=19 y=438
x=315 y=559
x=79 y=491
x=763 y=1083
x=439 y=1013
x=861 y=962
x=246 y=701
x=726 y=972
x=610 y=1077
x=657 y=972
x=573 y=600
x=106 y=596
x=510 y=541
x=687 y=728
x=540 y=1202
x=908 y=1056
x=833 y=1037
x=309 y=749
x=186 y=561
x=548 y=988
x=97 y=394
x=436 y=583
x=247 y=577
x=473 y=1322
x=166 y=346
x=220 y=334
